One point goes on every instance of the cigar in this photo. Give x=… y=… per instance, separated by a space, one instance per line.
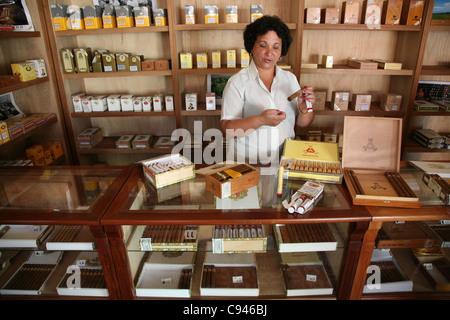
x=395 y=184
x=284 y=269
x=294 y=95
x=280 y=181
x=355 y=182
x=405 y=185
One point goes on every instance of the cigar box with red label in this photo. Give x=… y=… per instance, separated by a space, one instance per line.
x=371 y=162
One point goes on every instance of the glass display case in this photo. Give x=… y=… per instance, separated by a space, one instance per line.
x=51 y=241
x=182 y=241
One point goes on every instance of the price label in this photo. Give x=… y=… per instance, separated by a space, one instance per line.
x=311 y=277
x=238 y=279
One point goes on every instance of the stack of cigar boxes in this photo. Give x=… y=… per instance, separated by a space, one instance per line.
x=312 y=160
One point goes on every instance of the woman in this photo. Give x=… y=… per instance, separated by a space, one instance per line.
x=255 y=107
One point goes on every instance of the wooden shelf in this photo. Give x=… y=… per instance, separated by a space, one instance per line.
x=23 y=85
x=375 y=111
x=435 y=71
x=19 y=34
x=362 y=27
x=220 y=26
x=343 y=69
x=88 y=32
x=121 y=114
x=108 y=146
x=28 y=134
x=431 y=113
x=117 y=74
x=201 y=111
x=414 y=147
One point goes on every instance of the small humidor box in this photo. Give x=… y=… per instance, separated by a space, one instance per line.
x=158 y=102
x=162 y=64
x=439 y=186
x=362 y=64
x=92 y=17
x=434 y=267
x=76 y=101
x=239 y=239
x=340 y=100
x=160 y=16
x=391 y=101
x=313 y=160
x=225 y=179
x=443 y=105
x=124 y=16
x=389 y=65
x=392 y=11
x=59 y=16
x=186 y=60
x=109 y=62
x=148 y=65
x=202 y=60
x=189 y=14
x=124 y=142
x=361 y=102
x=137 y=104
x=122 y=62
x=24 y=70
x=169 y=102
x=321 y=98
x=167 y=169
x=113 y=103
x=147 y=104
x=313 y=15
x=331 y=15
x=142 y=141
x=424 y=105
x=126 y=102
x=372 y=12
x=371 y=162
x=405 y=234
x=135 y=62
x=191 y=101
x=211 y=13
x=412 y=12
x=55 y=149
x=83 y=60
x=350 y=12
x=109 y=17
x=142 y=16
x=87 y=104
x=231 y=14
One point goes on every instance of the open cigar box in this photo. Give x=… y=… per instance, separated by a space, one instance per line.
x=436 y=270
x=229 y=275
x=168 y=238
x=312 y=160
x=239 y=239
x=167 y=169
x=304 y=274
x=405 y=234
x=371 y=162
x=166 y=275
x=304 y=237
x=228 y=178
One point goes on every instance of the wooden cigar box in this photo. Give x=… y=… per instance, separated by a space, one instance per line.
x=304 y=274
x=304 y=237
x=312 y=15
x=167 y=169
x=229 y=275
x=442 y=231
x=228 y=178
x=440 y=186
x=9 y=80
x=412 y=12
x=350 y=12
x=314 y=160
x=362 y=64
x=371 y=13
x=167 y=238
x=239 y=239
x=405 y=234
x=331 y=15
x=391 y=277
x=392 y=11
x=435 y=268
x=371 y=162
x=164 y=275
x=321 y=98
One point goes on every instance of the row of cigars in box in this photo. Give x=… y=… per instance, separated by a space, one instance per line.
x=72 y=17
x=14 y=127
x=369 y=12
x=83 y=60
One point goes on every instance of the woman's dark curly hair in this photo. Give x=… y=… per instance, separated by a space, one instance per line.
x=262 y=26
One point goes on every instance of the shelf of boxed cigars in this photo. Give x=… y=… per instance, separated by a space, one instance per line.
x=344 y=69
x=108 y=145
x=122 y=114
x=117 y=74
x=220 y=26
x=375 y=110
x=349 y=26
x=435 y=71
x=87 y=32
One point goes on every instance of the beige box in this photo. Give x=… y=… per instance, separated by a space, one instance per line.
x=191 y=101
x=126 y=102
x=340 y=100
x=391 y=101
x=169 y=102
x=109 y=17
x=137 y=104
x=362 y=64
x=189 y=14
x=142 y=141
x=202 y=60
x=216 y=59
x=331 y=15
x=76 y=18
x=350 y=12
x=256 y=11
x=211 y=13
x=312 y=15
x=361 y=102
x=86 y=103
x=327 y=61
x=124 y=142
x=83 y=60
x=39 y=67
x=389 y=65
x=99 y=103
x=231 y=14
x=157 y=102
x=321 y=98
x=211 y=101
x=231 y=58
x=76 y=101
x=113 y=103
x=372 y=10
x=147 y=104
x=186 y=60
x=167 y=169
x=392 y=11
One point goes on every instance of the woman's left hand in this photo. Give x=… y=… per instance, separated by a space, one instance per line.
x=307 y=95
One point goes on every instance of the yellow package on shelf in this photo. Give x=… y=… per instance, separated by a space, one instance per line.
x=312 y=160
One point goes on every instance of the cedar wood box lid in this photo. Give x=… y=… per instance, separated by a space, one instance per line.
x=372 y=143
